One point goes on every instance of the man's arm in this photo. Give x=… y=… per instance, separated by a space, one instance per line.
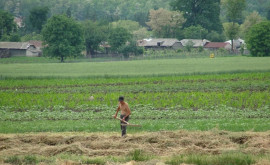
x=117 y=111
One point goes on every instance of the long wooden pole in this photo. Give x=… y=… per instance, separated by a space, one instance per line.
x=127 y=123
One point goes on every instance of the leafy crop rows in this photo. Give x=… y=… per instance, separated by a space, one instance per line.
x=244 y=96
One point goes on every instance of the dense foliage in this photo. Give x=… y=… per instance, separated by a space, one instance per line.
x=258 y=39
x=119 y=37
x=165 y=23
x=63 y=37
x=38 y=17
x=195 y=19
x=200 y=12
x=234 y=9
x=110 y=10
x=94 y=34
x=7 y=25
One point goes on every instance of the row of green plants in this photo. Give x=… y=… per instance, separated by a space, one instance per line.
x=148 y=125
x=139 y=112
x=45 y=82
x=150 y=86
x=183 y=100
x=235 y=102
x=242 y=91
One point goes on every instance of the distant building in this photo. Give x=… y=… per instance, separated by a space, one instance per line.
x=38 y=45
x=160 y=43
x=18 y=49
x=236 y=43
x=217 y=45
x=195 y=42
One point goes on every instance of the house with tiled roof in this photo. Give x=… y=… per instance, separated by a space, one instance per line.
x=8 y=49
x=38 y=44
x=160 y=43
x=196 y=43
x=217 y=45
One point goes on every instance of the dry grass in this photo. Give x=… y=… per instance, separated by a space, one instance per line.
x=161 y=144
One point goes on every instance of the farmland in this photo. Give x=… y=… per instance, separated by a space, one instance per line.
x=226 y=98
x=135 y=68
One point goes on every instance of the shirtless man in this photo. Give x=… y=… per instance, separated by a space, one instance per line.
x=125 y=112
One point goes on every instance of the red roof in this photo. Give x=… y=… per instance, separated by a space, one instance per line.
x=38 y=44
x=216 y=45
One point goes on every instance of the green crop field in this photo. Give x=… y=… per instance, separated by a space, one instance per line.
x=194 y=94
x=136 y=68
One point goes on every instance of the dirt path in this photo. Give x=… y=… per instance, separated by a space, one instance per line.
x=159 y=143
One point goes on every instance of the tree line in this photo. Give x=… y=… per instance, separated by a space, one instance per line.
x=130 y=21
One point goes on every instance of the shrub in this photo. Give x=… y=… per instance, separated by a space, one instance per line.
x=200 y=49
x=258 y=39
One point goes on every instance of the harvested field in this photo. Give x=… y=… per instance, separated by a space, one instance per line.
x=161 y=144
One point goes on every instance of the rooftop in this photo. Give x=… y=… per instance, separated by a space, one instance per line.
x=216 y=44
x=165 y=42
x=15 y=45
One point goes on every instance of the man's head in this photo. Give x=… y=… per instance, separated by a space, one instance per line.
x=121 y=99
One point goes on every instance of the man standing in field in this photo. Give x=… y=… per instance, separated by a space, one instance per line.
x=125 y=112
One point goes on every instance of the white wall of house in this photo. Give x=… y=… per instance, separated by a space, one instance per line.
x=32 y=52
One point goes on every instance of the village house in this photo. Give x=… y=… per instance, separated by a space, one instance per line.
x=160 y=44
x=196 y=43
x=237 y=43
x=9 y=49
x=217 y=45
x=38 y=45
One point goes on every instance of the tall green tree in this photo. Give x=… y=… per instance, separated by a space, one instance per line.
x=195 y=32
x=68 y=12
x=118 y=37
x=215 y=36
x=131 y=49
x=234 y=9
x=200 y=12
x=258 y=39
x=268 y=14
x=165 y=23
x=38 y=17
x=231 y=31
x=129 y=25
x=94 y=34
x=7 y=24
x=252 y=19
x=141 y=17
x=63 y=37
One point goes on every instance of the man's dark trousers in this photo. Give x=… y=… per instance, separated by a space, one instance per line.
x=124 y=128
